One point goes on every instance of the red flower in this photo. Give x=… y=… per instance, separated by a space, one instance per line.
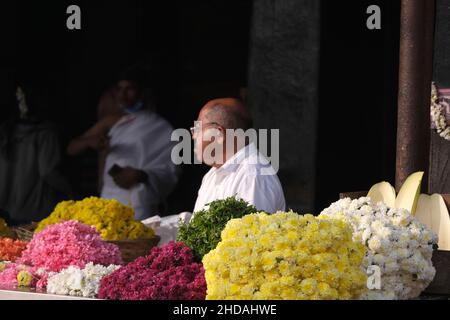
x=167 y=273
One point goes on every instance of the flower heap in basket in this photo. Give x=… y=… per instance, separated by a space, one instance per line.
x=398 y=238
x=112 y=219
x=57 y=247
x=398 y=244
x=285 y=256
x=166 y=273
x=11 y=249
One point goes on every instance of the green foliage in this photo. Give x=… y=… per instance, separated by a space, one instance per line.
x=203 y=232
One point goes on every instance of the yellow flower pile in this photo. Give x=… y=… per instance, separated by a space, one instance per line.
x=285 y=256
x=112 y=219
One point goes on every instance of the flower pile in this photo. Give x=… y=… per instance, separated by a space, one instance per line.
x=70 y=243
x=396 y=242
x=167 y=273
x=79 y=282
x=112 y=219
x=285 y=256
x=24 y=278
x=202 y=234
x=13 y=275
x=11 y=249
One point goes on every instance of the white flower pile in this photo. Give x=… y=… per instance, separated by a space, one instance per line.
x=78 y=282
x=396 y=242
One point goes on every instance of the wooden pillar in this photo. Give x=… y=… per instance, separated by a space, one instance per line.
x=415 y=74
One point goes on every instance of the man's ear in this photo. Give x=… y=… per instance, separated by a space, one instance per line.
x=221 y=137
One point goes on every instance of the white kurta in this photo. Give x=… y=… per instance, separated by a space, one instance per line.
x=141 y=141
x=242 y=176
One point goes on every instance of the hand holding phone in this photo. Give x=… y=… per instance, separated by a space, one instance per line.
x=115 y=170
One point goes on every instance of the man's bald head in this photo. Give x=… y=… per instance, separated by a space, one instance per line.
x=230 y=113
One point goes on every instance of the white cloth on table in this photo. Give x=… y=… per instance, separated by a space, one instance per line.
x=142 y=141
x=247 y=175
x=167 y=227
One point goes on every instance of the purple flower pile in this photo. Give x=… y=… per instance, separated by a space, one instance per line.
x=167 y=273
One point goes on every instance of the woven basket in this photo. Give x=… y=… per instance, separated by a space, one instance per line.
x=25 y=232
x=132 y=249
x=22 y=234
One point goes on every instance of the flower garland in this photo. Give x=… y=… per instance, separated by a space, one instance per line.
x=78 y=282
x=70 y=243
x=167 y=273
x=438 y=116
x=285 y=256
x=11 y=249
x=396 y=242
x=22 y=103
x=112 y=219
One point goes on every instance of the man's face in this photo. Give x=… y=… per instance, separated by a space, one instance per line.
x=127 y=93
x=206 y=135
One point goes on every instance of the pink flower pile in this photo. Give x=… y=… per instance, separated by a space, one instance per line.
x=69 y=243
x=167 y=273
x=8 y=277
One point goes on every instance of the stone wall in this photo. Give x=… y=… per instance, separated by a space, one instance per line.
x=283 y=88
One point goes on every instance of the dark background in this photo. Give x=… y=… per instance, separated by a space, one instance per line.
x=358 y=98
x=198 y=50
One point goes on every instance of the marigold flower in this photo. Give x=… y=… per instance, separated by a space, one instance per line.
x=11 y=249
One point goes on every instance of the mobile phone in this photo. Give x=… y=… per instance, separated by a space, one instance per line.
x=115 y=170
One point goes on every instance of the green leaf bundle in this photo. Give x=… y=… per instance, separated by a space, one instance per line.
x=203 y=232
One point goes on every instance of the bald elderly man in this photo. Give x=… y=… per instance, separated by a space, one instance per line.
x=237 y=167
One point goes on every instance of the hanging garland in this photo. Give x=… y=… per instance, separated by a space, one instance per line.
x=438 y=114
x=23 y=107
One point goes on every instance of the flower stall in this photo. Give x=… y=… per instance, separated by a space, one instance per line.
x=231 y=251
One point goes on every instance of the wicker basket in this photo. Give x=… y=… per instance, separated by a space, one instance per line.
x=25 y=232
x=132 y=249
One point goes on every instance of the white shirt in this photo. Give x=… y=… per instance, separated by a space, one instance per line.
x=142 y=141
x=247 y=175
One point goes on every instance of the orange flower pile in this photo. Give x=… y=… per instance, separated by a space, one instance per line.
x=11 y=249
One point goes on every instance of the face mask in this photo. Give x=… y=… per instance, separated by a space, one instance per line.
x=133 y=109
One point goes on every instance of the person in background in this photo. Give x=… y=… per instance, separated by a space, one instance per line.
x=108 y=106
x=30 y=181
x=235 y=172
x=138 y=169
